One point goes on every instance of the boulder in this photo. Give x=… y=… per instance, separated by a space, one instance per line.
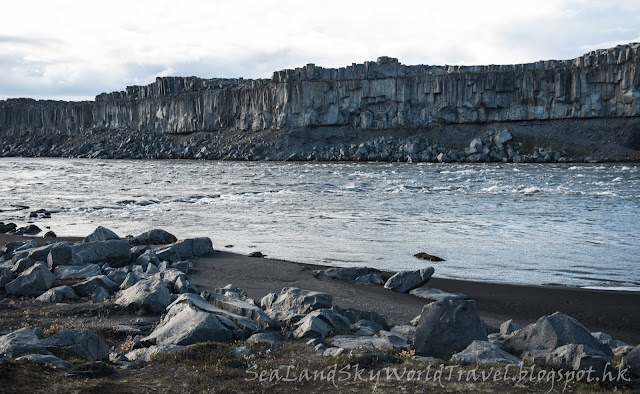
x=117 y=275
x=100 y=294
x=22 y=265
x=154 y=237
x=607 y=340
x=551 y=332
x=348 y=273
x=116 y=253
x=62 y=254
x=427 y=256
x=355 y=315
x=5 y=277
x=82 y=342
x=34 y=281
x=47 y=360
x=88 y=287
x=187 y=249
x=239 y=307
x=574 y=357
x=5 y=228
x=365 y=327
x=384 y=340
x=63 y=272
x=371 y=279
x=35 y=253
x=177 y=282
x=484 y=352
x=149 y=294
x=148 y=257
x=407 y=330
x=404 y=281
x=293 y=303
x=632 y=361
x=130 y=280
x=448 y=327
x=437 y=295
x=507 y=327
x=58 y=294
x=145 y=354
x=23 y=341
x=101 y=234
x=185 y=324
x=321 y=324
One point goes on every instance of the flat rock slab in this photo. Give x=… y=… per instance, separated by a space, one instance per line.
x=47 y=360
x=436 y=294
x=484 y=352
x=404 y=281
x=383 y=341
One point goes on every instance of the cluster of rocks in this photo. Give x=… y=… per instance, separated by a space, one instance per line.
x=494 y=146
x=135 y=276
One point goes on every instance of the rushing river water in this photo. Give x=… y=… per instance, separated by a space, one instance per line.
x=535 y=224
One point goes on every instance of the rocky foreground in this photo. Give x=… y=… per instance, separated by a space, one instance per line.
x=153 y=312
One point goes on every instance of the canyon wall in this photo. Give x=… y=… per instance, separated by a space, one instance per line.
x=375 y=95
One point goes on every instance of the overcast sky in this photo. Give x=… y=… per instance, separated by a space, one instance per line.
x=74 y=50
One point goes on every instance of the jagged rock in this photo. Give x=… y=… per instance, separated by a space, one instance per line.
x=292 y=303
x=5 y=277
x=117 y=275
x=404 y=281
x=39 y=253
x=607 y=340
x=130 y=280
x=448 y=327
x=149 y=294
x=148 y=257
x=151 y=270
x=22 y=265
x=575 y=357
x=437 y=294
x=178 y=282
x=100 y=234
x=483 y=352
x=348 y=273
x=233 y=291
x=271 y=338
x=62 y=254
x=321 y=324
x=355 y=315
x=507 y=327
x=58 y=294
x=63 y=272
x=23 y=341
x=81 y=341
x=34 y=281
x=551 y=332
x=145 y=354
x=47 y=360
x=239 y=307
x=502 y=137
x=333 y=352
x=631 y=360
x=365 y=328
x=384 y=340
x=100 y=294
x=116 y=253
x=371 y=279
x=88 y=287
x=407 y=330
x=154 y=237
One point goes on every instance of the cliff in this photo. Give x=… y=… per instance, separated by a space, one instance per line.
x=375 y=95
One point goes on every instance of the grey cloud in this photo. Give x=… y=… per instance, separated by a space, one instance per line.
x=32 y=41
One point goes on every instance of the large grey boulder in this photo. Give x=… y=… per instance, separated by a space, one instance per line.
x=81 y=341
x=148 y=257
x=130 y=280
x=23 y=341
x=58 y=294
x=22 y=265
x=47 y=360
x=186 y=249
x=405 y=281
x=437 y=295
x=239 y=307
x=384 y=340
x=607 y=339
x=149 y=294
x=88 y=286
x=551 y=332
x=63 y=272
x=116 y=253
x=292 y=303
x=508 y=327
x=484 y=352
x=34 y=281
x=185 y=324
x=321 y=324
x=448 y=327
x=355 y=315
x=37 y=253
x=348 y=273
x=574 y=357
x=100 y=234
x=632 y=361
x=145 y=354
x=62 y=255
x=178 y=282
x=154 y=237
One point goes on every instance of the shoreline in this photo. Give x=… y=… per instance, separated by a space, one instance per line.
x=613 y=312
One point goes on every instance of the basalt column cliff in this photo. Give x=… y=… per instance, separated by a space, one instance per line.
x=375 y=97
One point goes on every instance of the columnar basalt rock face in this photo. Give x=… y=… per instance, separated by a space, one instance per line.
x=375 y=95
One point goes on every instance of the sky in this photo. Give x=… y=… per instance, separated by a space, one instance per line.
x=72 y=50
